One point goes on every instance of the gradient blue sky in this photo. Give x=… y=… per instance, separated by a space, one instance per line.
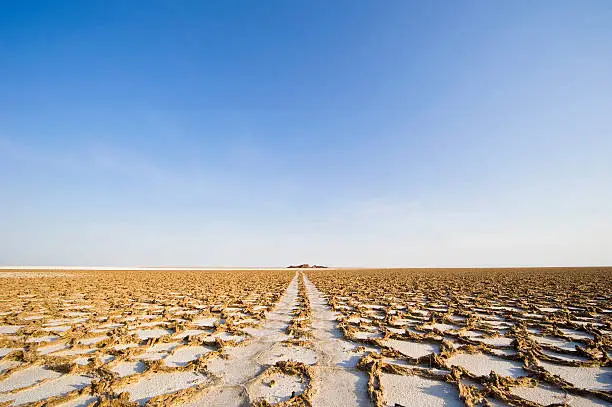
x=262 y=133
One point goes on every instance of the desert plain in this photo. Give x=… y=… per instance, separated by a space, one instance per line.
x=306 y=337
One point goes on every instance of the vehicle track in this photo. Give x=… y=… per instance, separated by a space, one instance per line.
x=337 y=381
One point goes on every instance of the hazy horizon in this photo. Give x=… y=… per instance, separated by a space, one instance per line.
x=406 y=134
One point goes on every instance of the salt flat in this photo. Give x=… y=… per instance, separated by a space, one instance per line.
x=325 y=337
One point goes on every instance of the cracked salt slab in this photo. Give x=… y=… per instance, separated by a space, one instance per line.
x=73 y=352
x=39 y=339
x=339 y=387
x=418 y=391
x=151 y=333
x=441 y=327
x=284 y=352
x=52 y=348
x=498 y=341
x=576 y=334
x=276 y=388
x=8 y=364
x=240 y=365
x=124 y=346
x=189 y=332
x=481 y=365
x=208 y=322
x=61 y=328
x=27 y=377
x=128 y=368
x=563 y=356
x=162 y=383
x=34 y=317
x=546 y=395
x=591 y=378
x=182 y=356
x=366 y=335
x=559 y=343
x=91 y=341
x=412 y=349
x=58 y=387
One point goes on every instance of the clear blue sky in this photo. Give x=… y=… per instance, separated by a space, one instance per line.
x=255 y=133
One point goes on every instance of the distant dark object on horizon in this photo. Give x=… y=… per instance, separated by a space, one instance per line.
x=307 y=266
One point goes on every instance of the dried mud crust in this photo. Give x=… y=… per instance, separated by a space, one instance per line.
x=127 y=338
x=487 y=333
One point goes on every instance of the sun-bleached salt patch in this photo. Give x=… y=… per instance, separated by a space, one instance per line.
x=6 y=351
x=73 y=352
x=580 y=401
x=106 y=358
x=590 y=378
x=208 y=322
x=60 y=328
x=40 y=339
x=412 y=349
x=558 y=342
x=503 y=352
x=129 y=368
x=239 y=367
x=150 y=356
x=276 y=388
x=33 y=317
x=226 y=336
x=151 y=333
x=8 y=364
x=76 y=314
x=441 y=327
x=82 y=401
x=123 y=346
x=247 y=321
x=417 y=391
x=563 y=356
x=189 y=332
x=91 y=341
x=286 y=352
x=572 y=333
x=182 y=356
x=149 y=324
x=54 y=347
x=57 y=387
x=366 y=335
x=471 y=334
x=27 y=377
x=162 y=383
x=82 y=360
x=220 y=396
x=498 y=341
x=543 y=394
x=339 y=387
x=355 y=319
x=481 y=365
x=163 y=347
x=10 y=329
x=395 y=330
x=111 y=325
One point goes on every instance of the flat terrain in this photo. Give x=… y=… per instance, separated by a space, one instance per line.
x=321 y=337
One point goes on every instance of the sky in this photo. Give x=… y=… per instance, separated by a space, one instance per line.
x=268 y=133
